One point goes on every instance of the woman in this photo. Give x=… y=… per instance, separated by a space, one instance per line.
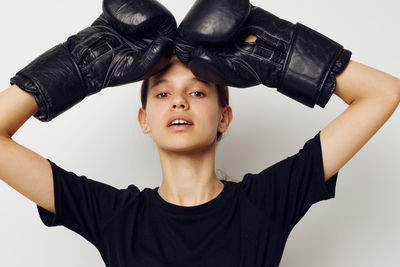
x=191 y=196
x=187 y=148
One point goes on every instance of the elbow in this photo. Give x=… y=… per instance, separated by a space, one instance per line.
x=392 y=92
x=398 y=90
x=395 y=98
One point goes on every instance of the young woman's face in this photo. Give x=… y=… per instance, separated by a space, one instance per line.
x=176 y=93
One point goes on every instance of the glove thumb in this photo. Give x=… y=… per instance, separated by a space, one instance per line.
x=215 y=66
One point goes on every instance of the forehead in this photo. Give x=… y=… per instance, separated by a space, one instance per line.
x=176 y=72
x=174 y=67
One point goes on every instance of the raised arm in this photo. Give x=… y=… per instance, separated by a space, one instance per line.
x=300 y=62
x=372 y=96
x=103 y=55
x=21 y=168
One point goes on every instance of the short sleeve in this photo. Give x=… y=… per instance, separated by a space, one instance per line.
x=84 y=205
x=286 y=190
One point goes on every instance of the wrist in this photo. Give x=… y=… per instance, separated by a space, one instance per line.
x=330 y=84
x=309 y=70
x=55 y=89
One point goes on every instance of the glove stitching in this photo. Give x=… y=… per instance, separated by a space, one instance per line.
x=249 y=68
x=252 y=54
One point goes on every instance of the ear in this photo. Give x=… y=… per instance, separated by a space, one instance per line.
x=226 y=118
x=142 y=118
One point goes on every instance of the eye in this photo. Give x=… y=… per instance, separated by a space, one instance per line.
x=161 y=95
x=198 y=93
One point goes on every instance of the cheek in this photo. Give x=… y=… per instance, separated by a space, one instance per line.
x=210 y=112
x=153 y=114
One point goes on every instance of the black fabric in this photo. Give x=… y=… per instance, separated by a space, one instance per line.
x=247 y=224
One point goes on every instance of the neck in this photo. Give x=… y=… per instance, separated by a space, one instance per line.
x=189 y=178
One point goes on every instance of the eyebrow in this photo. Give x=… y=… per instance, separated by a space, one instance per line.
x=157 y=82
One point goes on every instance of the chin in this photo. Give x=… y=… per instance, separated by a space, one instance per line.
x=183 y=145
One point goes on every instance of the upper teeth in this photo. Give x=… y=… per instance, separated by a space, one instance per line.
x=179 y=122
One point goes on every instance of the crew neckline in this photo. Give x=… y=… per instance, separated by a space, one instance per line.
x=209 y=206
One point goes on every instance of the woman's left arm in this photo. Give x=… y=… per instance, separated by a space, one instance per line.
x=372 y=96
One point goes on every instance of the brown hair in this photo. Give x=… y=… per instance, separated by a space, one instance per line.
x=223 y=97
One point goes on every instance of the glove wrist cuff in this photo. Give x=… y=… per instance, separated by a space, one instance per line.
x=55 y=89
x=330 y=84
x=308 y=67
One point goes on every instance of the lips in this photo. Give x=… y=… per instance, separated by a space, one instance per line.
x=179 y=117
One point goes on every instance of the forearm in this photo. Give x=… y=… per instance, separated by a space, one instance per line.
x=16 y=107
x=372 y=96
x=360 y=82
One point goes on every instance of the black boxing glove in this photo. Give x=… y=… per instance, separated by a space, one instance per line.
x=300 y=62
x=130 y=41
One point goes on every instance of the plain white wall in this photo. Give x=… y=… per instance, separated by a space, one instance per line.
x=100 y=138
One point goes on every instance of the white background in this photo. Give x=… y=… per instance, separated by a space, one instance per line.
x=100 y=138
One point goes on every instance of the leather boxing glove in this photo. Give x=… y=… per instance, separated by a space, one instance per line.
x=131 y=40
x=300 y=62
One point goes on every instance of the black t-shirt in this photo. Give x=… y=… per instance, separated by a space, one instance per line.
x=247 y=224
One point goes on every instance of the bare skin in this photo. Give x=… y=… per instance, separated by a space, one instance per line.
x=188 y=170
x=188 y=163
x=187 y=156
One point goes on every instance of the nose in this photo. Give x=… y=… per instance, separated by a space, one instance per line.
x=179 y=102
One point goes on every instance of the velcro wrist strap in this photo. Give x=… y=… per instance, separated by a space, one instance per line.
x=309 y=60
x=55 y=81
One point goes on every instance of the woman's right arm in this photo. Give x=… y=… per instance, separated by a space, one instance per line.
x=21 y=168
x=60 y=79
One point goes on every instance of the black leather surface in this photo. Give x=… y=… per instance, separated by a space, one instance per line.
x=130 y=41
x=293 y=58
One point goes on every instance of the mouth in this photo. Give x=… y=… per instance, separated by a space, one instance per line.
x=179 y=122
x=180 y=127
